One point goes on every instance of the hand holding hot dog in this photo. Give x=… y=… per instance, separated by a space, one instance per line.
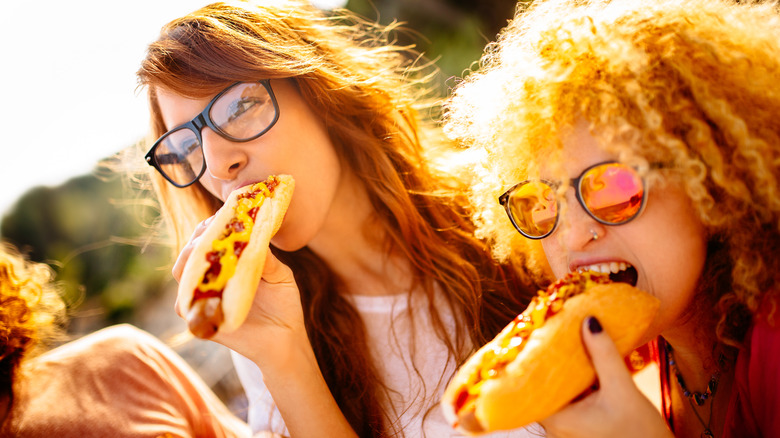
x=224 y=267
x=617 y=408
x=538 y=363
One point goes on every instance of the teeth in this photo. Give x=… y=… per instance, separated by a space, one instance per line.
x=605 y=268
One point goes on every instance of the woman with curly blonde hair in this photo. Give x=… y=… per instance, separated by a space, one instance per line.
x=119 y=381
x=642 y=138
x=31 y=313
x=376 y=288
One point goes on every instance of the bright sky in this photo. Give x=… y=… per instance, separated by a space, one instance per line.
x=69 y=96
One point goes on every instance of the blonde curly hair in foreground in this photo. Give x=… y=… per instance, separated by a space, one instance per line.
x=691 y=83
x=31 y=311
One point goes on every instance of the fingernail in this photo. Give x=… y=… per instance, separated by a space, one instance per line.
x=594 y=325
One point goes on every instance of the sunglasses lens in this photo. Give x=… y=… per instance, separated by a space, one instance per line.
x=245 y=111
x=533 y=208
x=179 y=156
x=612 y=192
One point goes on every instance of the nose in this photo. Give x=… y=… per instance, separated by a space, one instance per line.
x=224 y=158
x=577 y=225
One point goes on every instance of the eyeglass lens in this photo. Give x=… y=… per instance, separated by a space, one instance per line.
x=533 y=208
x=242 y=112
x=612 y=193
x=179 y=156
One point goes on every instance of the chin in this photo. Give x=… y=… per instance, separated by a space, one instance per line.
x=652 y=332
x=287 y=243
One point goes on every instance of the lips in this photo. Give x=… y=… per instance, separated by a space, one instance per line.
x=231 y=189
x=619 y=272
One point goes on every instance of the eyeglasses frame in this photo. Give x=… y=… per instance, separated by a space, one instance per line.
x=576 y=183
x=203 y=120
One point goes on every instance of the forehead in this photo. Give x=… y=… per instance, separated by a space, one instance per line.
x=579 y=150
x=176 y=109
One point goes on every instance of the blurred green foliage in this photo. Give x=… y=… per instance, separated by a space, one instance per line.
x=453 y=33
x=93 y=235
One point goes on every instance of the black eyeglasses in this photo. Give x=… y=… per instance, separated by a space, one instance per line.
x=242 y=112
x=611 y=193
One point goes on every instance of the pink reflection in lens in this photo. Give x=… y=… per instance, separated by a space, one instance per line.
x=612 y=192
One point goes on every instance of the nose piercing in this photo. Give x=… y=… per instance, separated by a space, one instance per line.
x=595 y=235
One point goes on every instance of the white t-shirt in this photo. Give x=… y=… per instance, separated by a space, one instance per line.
x=416 y=372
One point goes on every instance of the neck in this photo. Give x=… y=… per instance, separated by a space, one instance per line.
x=698 y=361
x=353 y=244
x=696 y=352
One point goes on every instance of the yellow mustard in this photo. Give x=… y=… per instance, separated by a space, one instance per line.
x=511 y=341
x=226 y=244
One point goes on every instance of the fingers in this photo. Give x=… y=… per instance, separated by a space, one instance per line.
x=609 y=365
x=592 y=412
x=181 y=260
x=184 y=255
x=178 y=308
x=178 y=267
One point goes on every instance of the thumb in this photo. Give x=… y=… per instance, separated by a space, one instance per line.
x=276 y=272
x=609 y=365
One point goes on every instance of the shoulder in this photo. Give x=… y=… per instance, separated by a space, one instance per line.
x=760 y=352
x=98 y=353
x=119 y=339
x=764 y=335
x=757 y=377
x=104 y=370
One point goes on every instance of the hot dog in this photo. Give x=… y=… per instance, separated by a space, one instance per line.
x=223 y=271
x=538 y=363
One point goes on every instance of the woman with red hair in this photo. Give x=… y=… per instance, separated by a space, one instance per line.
x=376 y=288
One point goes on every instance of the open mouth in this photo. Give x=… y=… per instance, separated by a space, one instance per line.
x=618 y=272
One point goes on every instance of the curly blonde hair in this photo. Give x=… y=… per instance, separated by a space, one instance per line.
x=691 y=83
x=31 y=311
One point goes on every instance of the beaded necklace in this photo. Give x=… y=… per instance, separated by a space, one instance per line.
x=695 y=396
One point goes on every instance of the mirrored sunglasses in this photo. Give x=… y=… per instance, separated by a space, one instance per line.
x=611 y=193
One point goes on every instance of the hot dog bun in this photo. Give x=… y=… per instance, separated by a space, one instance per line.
x=207 y=308
x=538 y=363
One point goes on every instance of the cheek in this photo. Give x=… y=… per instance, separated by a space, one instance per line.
x=674 y=271
x=315 y=190
x=685 y=274
x=556 y=256
x=210 y=185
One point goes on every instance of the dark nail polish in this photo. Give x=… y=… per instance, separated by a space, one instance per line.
x=594 y=325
